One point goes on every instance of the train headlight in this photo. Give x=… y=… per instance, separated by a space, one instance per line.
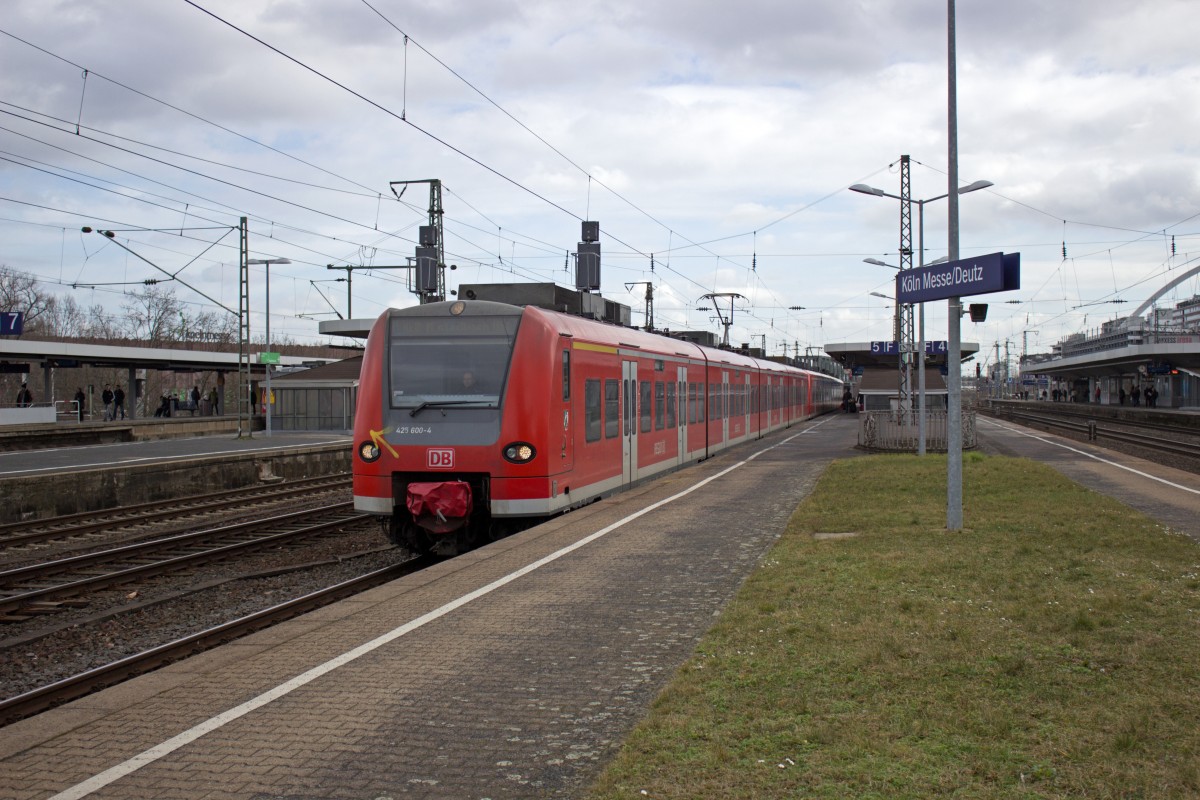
x=519 y=452
x=368 y=451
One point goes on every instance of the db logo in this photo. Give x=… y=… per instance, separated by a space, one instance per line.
x=439 y=458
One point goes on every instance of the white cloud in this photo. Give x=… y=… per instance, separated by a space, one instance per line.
x=710 y=120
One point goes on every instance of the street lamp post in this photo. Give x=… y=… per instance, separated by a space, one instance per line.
x=874 y=192
x=267 y=262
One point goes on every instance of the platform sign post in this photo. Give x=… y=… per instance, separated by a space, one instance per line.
x=270 y=360
x=951 y=281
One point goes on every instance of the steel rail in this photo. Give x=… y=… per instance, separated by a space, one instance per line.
x=17 y=602
x=38 y=700
x=1094 y=433
x=69 y=525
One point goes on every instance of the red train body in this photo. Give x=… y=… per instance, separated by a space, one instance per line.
x=474 y=416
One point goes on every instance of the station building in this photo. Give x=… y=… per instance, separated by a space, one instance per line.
x=1123 y=355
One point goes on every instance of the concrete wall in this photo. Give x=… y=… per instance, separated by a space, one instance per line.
x=27 y=416
x=91 y=490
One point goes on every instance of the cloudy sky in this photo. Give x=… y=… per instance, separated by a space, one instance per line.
x=717 y=138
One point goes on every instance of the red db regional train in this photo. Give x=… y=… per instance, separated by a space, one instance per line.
x=475 y=416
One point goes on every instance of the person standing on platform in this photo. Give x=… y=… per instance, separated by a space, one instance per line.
x=24 y=396
x=106 y=397
x=1097 y=393
x=195 y=400
x=1135 y=395
x=79 y=401
x=118 y=402
x=212 y=401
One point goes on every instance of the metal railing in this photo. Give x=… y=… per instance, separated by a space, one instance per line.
x=895 y=432
x=67 y=410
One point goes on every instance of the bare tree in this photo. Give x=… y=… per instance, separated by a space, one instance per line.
x=215 y=328
x=64 y=319
x=19 y=291
x=154 y=315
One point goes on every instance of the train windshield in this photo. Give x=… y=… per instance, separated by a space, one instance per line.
x=439 y=362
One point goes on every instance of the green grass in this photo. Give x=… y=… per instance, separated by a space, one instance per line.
x=1052 y=649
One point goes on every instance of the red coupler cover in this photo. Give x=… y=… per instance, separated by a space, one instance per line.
x=444 y=500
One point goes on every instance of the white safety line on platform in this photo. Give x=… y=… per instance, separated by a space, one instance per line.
x=124 y=462
x=1116 y=464
x=153 y=754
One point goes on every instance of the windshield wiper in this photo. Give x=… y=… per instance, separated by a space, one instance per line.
x=441 y=403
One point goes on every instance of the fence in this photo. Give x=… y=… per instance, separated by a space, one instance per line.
x=891 y=431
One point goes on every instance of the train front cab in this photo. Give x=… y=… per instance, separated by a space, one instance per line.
x=435 y=383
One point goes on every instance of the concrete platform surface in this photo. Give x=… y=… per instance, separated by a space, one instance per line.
x=36 y=484
x=513 y=671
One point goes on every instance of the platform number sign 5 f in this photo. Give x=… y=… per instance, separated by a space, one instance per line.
x=439 y=458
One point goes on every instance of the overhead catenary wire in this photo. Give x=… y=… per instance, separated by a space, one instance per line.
x=671 y=232
x=429 y=134
x=232 y=185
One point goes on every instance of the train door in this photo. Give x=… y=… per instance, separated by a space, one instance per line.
x=568 y=443
x=681 y=415
x=745 y=404
x=629 y=421
x=723 y=405
x=768 y=388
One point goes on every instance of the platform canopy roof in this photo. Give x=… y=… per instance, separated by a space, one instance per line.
x=861 y=354
x=73 y=354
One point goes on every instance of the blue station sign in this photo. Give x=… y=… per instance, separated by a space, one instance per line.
x=994 y=272
x=12 y=323
x=932 y=348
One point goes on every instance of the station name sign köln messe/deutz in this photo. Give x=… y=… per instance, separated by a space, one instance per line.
x=994 y=272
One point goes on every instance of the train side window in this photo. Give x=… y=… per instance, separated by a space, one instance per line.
x=612 y=409
x=645 y=398
x=659 y=395
x=591 y=409
x=671 y=404
x=566 y=374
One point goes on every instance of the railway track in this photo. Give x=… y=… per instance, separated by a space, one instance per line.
x=50 y=586
x=40 y=699
x=16 y=535
x=1174 y=440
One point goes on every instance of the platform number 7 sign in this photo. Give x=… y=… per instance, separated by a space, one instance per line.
x=12 y=323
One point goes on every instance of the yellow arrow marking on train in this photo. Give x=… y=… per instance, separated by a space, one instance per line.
x=377 y=438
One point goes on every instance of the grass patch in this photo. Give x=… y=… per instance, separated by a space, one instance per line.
x=1051 y=650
